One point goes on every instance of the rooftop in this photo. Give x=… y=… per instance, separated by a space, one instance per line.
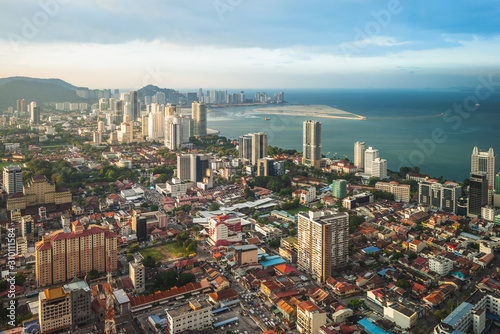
x=185 y=309
x=458 y=314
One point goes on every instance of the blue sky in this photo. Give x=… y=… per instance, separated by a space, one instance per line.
x=251 y=44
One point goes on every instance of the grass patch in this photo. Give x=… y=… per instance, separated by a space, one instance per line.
x=9 y=163
x=52 y=146
x=153 y=252
x=177 y=250
x=297 y=210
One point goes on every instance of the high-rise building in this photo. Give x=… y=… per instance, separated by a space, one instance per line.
x=145 y=125
x=311 y=142
x=497 y=183
x=245 y=148
x=322 y=242
x=224 y=230
x=379 y=168
x=265 y=167
x=54 y=310
x=401 y=192
x=339 y=188
x=199 y=116
x=81 y=299
x=100 y=126
x=176 y=131
x=370 y=155
x=13 y=179
x=139 y=226
x=97 y=137
x=62 y=256
x=27 y=228
x=137 y=273
x=310 y=317
x=136 y=105
x=359 y=155
x=484 y=161
x=160 y=98
x=478 y=192
x=196 y=168
x=259 y=146
x=156 y=124
x=21 y=105
x=35 y=113
x=439 y=196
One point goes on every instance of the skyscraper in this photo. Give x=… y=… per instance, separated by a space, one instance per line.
x=379 y=168
x=259 y=146
x=478 y=192
x=484 y=161
x=156 y=124
x=322 y=242
x=370 y=155
x=35 y=113
x=136 y=106
x=245 y=148
x=13 y=179
x=160 y=98
x=359 y=155
x=195 y=167
x=177 y=132
x=21 y=105
x=199 y=116
x=497 y=183
x=311 y=142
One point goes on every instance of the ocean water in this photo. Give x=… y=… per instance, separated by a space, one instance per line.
x=440 y=146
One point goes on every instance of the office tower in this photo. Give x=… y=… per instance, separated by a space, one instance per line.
x=136 y=106
x=137 y=274
x=113 y=138
x=256 y=97
x=439 y=196
x=322 y=242
x=195 y=167
x=27 y=228
x=21 y=105
x=484 y=161
x=112 y=104
x=139 y=226
x=497 y=183
x=265 y=167
x=192 y=97
x=118 y=107
x=62 y=256
x=54 y=310
x=200 y=94
x=128 y=112
x=144 y=125
x=13 y=179
x=478 y=192
x=103 y=104
x=245 y=148
x=379 y=168
x=339 y=188
x=35 y=113
x=199 y=116
x=370 y=155
x=97 y=137
x=259 y=146
x=126 y=133
x=359 y=155
x=311 y=142
x=81 y=300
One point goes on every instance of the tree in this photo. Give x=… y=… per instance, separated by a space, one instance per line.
x=134 y=248
x=149 y=262
x=3 y=285
x=292 y=232
x=186 y=278
x=29 y=266
x=214 y=206
x=20 y=279
x=402 y=283
x=130 y=258
x=274 y=243
x=356 y=303
x=154 y=207
x=249 y=194
x=93 y=274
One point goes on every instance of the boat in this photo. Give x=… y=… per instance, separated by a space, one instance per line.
x=266 y=118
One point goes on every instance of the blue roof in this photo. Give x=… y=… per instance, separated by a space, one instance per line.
x=219 y=310
x=371 y=327
x=470 y=236
x=458 y=314
x=383 y=272
x=229 y=302
x=268 y=261
x=225 y=322
x=369 y=250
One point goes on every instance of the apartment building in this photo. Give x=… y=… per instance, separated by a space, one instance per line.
x=401 y=192
x=137 y=273
x=310 y=318
x=322 y=242
x=63 y=256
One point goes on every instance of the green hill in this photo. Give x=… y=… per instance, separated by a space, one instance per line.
x=54 y=81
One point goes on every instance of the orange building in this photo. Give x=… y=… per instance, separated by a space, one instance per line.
x=63 y=256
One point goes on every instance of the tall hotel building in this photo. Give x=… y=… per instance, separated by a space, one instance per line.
x=252 y=147
x=311 y=148
x=322 y=242
x=370 y=155
x=359 y=155
x=63 y=256
x=484 y=161
x=199 y=116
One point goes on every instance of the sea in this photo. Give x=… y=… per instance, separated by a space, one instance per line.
x=397 y=125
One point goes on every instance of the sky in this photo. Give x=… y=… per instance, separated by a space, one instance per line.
x=127 y=44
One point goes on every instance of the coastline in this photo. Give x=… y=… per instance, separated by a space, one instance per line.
x=322 y=111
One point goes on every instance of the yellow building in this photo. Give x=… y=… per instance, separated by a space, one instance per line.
x=40 y=192
x=54 y=311
x=63 y=256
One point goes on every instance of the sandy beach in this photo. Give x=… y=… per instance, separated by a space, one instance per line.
x=309 y=111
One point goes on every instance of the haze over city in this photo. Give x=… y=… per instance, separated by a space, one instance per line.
x=243 y=44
